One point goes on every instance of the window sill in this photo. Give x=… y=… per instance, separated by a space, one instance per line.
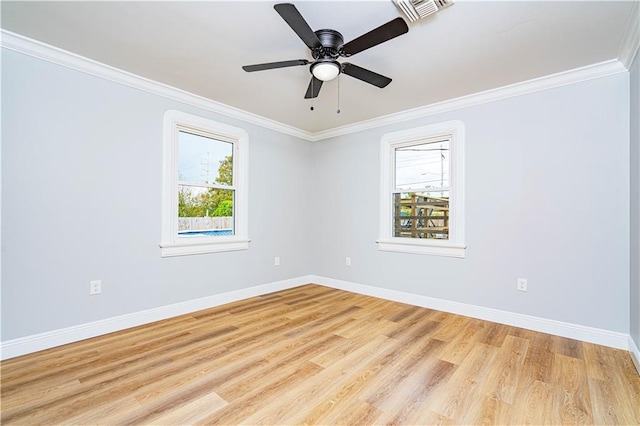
x=202 y=247
x=404 y=245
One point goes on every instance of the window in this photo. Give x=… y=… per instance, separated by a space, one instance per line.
x=422 y=190
x=204 y=186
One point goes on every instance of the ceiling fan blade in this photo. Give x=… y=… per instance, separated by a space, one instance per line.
x=272 y=65
x=290 y=14
x=376 y=36
x=365 y=75
x=313 y=89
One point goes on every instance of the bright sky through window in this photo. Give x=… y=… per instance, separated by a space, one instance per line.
x=200 y=157
x=422 y=166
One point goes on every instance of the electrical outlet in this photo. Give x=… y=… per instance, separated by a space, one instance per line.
x=522 y=284
x=276 y=261
x=347 y=261
x=95 y=287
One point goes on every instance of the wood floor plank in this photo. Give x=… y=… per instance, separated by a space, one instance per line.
x=192 y=412
x=327 y=382
x=568 y=347
x=503 y=378
x=248 y=403
x=607 y=412
x=466 y=383
x=487 y=410
x=234 y=389
x=572 y=399
x=617 y=380
x=393 y=383
x=459 y=347
x=369 y=331
x=411 y=404
x=538 y=363
x=345 y=395
x=112 y=413
x=316 y=355
x=597 y=361
x=535 y=404
x=493 y=334
x=450 y=326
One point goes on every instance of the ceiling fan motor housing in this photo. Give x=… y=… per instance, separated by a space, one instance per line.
x=331 y=41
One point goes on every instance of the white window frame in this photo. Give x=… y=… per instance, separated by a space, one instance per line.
x=171 y=244
x=455 y=245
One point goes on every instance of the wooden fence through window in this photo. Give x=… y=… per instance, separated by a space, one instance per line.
x=421 y=216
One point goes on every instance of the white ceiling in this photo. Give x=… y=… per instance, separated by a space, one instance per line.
x=200 y=47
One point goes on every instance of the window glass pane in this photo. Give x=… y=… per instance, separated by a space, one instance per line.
x=421 y=215
x=422 y=166
x=205 y=211
x=204 y=160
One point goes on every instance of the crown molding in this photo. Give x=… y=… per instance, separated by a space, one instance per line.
x=631 y=39
x=62 y=57
x=37 y=49
x=576 y=75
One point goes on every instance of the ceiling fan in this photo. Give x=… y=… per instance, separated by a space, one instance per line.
x=327 y=45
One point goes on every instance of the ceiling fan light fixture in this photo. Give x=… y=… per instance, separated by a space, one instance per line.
x=325 y=70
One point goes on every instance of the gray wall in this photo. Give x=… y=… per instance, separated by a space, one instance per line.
x=547 y=199
x=634 y=77
x=81 y=189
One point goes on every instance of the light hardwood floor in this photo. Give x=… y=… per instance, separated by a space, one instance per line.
x=316 y=355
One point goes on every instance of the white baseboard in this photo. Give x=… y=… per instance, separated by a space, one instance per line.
x=559 y=328
x=635 y=354
x=37 y=342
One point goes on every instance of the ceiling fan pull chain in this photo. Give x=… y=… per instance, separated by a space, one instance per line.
x=338 y=110
x=311 y=97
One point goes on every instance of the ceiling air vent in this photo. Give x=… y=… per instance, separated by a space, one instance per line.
x=418 y=9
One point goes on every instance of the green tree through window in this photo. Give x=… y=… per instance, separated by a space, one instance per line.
x=214 y=202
